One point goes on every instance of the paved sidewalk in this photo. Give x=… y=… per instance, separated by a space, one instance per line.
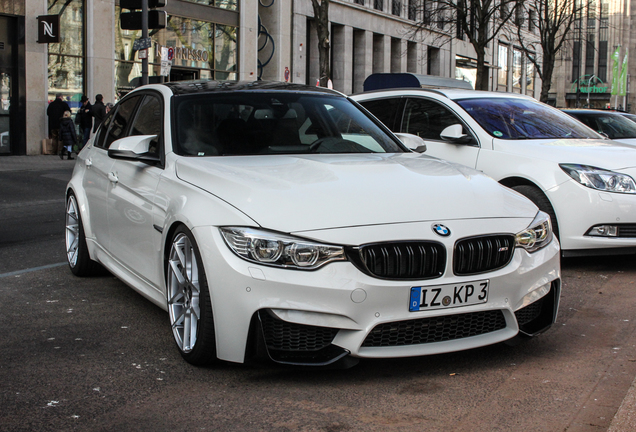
x=625 y=418
x=33 y=163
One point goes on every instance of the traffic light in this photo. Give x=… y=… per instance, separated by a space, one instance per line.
x=132 y=20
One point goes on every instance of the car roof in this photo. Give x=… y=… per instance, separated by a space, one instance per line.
x=589 y=111
x=209 y=86
x=452 y=93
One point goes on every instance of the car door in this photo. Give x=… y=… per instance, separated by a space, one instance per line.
x=96 y=185
x=134 y=241
x=427 y=119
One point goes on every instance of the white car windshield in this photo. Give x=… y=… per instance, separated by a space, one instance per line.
x=514 y=119
x=261 y=123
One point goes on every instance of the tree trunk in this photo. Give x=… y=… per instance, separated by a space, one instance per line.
x=321 y=15
x=546 y=77
x=481 y=81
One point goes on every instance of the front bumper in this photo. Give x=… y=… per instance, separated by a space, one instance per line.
x=579 y=208
x=318 y=317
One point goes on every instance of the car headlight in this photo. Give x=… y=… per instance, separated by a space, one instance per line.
x=600 y=179
x=280 y=250
x=537 y=235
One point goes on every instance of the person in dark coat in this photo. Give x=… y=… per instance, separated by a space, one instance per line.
x=84 y=119
x=55 y=111
x=98 y=111
x=67 y=135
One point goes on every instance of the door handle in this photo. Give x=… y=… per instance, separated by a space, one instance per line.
x=89 y=163
x=113 y=177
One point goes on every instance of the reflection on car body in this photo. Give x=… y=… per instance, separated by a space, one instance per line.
x=272 y=220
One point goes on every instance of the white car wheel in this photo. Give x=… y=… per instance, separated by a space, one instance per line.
x=189 y=301
x=76 y=250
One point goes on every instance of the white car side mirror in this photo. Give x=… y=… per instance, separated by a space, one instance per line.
x=413 y=142
x=137 y=144
x=455 y=134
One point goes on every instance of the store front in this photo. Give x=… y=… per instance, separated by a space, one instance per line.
x=12 y=115
x=589 y=91
x=196 y=49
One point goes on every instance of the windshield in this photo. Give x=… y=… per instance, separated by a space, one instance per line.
x=257 y=123
x=614 y=125
x=523 y=119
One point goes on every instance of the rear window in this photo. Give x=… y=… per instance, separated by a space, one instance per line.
x=260 y=123
x=513 y=119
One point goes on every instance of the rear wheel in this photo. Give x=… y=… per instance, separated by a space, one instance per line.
x=189 y=304
x=77 y=255
x=539 y=199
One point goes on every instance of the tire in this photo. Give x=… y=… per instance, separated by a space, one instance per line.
x=188 y=298
x=77 y=256
x=539 y=199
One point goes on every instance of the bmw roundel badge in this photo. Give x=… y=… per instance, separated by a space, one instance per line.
x=441 y=230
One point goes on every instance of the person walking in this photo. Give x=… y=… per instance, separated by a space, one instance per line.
x=98 y=111
x=67 y=135
x=84 y=119
x=55 y=111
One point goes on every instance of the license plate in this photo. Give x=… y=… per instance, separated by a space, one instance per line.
x=448 y=296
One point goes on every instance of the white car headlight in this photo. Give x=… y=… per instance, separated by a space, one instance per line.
x=600 y=179
x=270 y=248
x=537 y=235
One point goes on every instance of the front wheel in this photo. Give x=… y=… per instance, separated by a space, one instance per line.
x=77 y=254
x=189 y=304
x=539 y=199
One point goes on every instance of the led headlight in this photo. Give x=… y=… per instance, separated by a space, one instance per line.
x=537 y=235
x=271 y=248
x=600 y=179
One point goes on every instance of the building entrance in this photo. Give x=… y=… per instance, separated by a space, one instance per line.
x=181 y=74
x=7 y=72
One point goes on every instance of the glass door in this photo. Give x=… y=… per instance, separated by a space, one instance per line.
x=5 y=104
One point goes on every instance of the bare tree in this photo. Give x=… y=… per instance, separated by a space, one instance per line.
x=321 y=16
x=553 y=20
x=480 y=21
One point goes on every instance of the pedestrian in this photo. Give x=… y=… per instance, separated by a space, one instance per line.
x=55 y=111
x=109 y=106
x=84 y=119
x=98 y=111
x=67 y=135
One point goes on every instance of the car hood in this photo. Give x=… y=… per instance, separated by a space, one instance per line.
x=629 y=141
x=293 y=193
x=605 y=154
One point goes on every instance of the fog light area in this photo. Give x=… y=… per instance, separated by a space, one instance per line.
x=603 y=231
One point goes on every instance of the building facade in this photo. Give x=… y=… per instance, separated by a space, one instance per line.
x=224 y=40
x=601 y=39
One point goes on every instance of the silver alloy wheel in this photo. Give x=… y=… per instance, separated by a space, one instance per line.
x=72 y=231
x=183 y=292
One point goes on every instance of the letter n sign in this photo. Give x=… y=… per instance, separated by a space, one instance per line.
x=48 y=29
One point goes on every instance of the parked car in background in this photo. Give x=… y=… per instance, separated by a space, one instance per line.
x=616 y=126
x=630 y=116
x=272 y=220
x=582 y=180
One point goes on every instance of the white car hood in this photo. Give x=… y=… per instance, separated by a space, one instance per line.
x=605 y=154
x=293 y=193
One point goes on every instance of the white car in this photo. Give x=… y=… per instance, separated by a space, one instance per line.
x=616 y=126
x=582 y=180
x=283 y=221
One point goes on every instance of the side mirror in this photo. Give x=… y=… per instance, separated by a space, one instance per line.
x=455 y=135
x=134 y=148
x=413 y=142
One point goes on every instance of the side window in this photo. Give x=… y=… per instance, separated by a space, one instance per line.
x=103 y=128
x=427 y=118
x=120 y=120
x=384 y=110
x=149 y=121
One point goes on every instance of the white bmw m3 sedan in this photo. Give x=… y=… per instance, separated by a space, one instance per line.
x=284 y=222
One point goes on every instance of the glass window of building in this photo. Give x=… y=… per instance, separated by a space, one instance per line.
x=529 y=77
x=502 y=62
x=516 y=68
x=196 y=49
x=223 y=4
x=66 y=58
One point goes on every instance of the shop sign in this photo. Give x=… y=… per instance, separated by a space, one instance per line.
x=48 y=29
x=590 y=84
x=183 y=53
